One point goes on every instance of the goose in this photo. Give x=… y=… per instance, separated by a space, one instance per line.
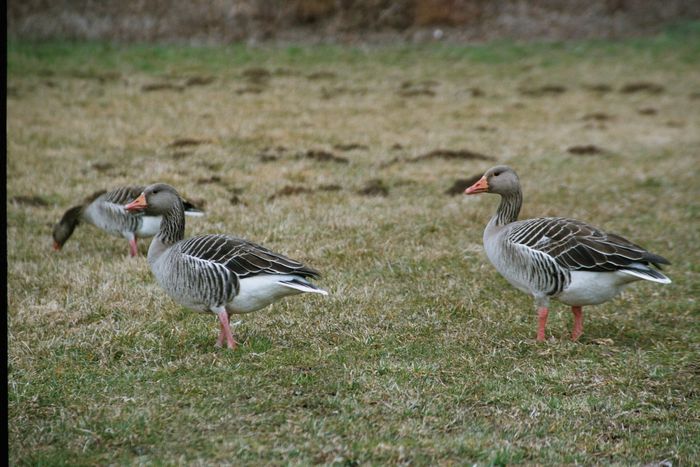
x=104 y=209
x=555 y=257
x=216 y=273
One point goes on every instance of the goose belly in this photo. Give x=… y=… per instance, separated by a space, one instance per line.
x=593 y=288
x=259 y=291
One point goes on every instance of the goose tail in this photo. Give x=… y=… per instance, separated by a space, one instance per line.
x=303 y=286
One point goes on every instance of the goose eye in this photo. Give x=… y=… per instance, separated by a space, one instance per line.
x=497 y=174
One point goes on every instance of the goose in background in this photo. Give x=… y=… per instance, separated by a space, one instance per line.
x=105 y=210
x=216 y=273
x=556 y=257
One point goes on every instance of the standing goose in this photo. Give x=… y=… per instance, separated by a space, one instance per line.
x=216 y=273
x=555 y=257
x=105 y=210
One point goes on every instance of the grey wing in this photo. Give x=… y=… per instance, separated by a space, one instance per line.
x=107 y=210
x=123 y=195
x=577 y=245
x=242 y=257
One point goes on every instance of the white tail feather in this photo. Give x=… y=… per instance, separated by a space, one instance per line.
x=647 y=276
x=303 y=288
x=194 y=213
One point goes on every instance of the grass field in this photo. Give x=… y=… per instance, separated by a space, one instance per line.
x=422 y=354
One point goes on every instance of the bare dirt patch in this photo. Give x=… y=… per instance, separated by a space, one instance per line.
x=271 y=154
x=199 y=81
x=597 y=117
x=336 y=91
x=236 y=200
x=599 y=88
x=420 y=88
x=208 y=180
x=350 y=147
x=250 y=90
x=267 y=157
x=323 y=156
x=187 y=142
x=291 y=190
x=542 y=91
x=585 y=150
x=648 y=111
x=642 y=86
x=162 y=87
x=102 y=166
x=462 y=184
x=675 y=124
x=374 y=187
x=330 y=187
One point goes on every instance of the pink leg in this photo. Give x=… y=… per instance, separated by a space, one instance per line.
x=542 y=318
x=226 y=330
x=133 y=248
x=578 y=322
x=222 y=336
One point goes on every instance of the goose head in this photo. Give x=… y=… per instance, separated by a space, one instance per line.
x=65 y=227
x=501 y=180
x=155 y=200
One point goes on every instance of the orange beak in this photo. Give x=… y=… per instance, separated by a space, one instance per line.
x=139 y=204
x=56 y=246
x=481 y=186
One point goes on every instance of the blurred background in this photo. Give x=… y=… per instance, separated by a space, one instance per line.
x=341 y=21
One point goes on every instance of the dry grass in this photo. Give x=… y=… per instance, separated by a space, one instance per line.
x=422 y=354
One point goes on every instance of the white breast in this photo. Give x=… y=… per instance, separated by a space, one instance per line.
x=494 y=248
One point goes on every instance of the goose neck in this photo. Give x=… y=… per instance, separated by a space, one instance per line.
x=509 y=209
x=172 y=225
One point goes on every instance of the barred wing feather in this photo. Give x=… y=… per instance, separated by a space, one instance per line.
x=579 y=246
x=122 y=195
x=242 y=257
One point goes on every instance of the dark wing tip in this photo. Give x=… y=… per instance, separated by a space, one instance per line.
x=189 y=207
x=306 y=271
x=656 y=260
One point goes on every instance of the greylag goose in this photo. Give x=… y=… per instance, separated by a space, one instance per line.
x=216 y=273
x=556 y=257
x=105 y=210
